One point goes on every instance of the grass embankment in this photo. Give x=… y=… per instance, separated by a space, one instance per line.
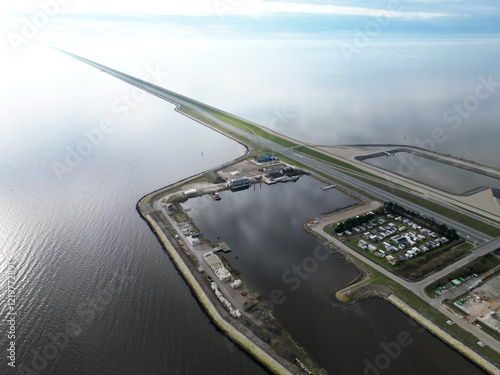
x=252 y=129
x=432 y=314
x=439 y=209
x=226 y=327
x=423 y=264
x=489 y=330
x=478 y=266
x=431 y=293
x=182 y=186
x=477 y=214
x=256 y=148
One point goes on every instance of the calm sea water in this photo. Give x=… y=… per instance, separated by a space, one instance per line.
x=86 y=263
x=96 y=294
x=392 y=92
x=439 y=175
x=262 y=226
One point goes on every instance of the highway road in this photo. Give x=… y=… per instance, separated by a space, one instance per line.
x=445 y=199
x=487 y=243
x=334 y=172
x=318 y=165
x=310 y=162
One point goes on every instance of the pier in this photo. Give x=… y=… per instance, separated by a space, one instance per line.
x=222 y=246
x=328 y=187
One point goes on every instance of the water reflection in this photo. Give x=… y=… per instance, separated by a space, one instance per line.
x=433 y=173
x=393 y=92
x=263 y=228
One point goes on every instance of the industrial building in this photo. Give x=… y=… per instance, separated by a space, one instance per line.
x=190 y=192
x=217 y=267
x=234 y=312
x=239 y=183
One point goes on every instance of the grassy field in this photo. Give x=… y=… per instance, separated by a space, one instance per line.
x=489 y=331
x=252 y=129
x=454 y=307
x=466 y=246
x=488 y=262
x=492 y=261
x=431 y=293
x=447 y=212
x=178 y=216
x=434 y=315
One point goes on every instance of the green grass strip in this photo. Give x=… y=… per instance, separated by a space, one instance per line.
x=434 y=315
x=437 y=208
x=242 y=124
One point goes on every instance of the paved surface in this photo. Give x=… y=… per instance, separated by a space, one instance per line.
x=418 y=287
x=251 y=346
x=223 y=287
x=346 y=214
x=479 y=202
x=304 y=159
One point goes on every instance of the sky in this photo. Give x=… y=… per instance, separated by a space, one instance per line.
x=366 y=63
x=46 y=21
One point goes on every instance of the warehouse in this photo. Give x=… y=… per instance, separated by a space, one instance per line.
x=239 y=183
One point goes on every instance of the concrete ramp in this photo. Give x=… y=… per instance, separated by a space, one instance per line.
x=496 y=195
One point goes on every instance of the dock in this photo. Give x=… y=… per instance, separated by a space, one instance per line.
x=222 y=246
x=328 y=187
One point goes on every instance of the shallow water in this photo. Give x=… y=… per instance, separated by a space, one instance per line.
x=433 y=173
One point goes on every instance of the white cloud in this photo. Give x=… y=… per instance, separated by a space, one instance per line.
x=283 y=8
x=249 y=8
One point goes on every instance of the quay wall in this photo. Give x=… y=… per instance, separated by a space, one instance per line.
x=444 y=336
x=243 y=341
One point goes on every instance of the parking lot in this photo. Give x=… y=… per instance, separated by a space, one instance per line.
x=394 y=238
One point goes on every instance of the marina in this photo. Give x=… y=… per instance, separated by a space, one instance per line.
x=73 y=228
x=279 y=243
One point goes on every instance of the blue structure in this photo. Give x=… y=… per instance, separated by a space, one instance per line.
x=269 y=157
x=261 y=160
